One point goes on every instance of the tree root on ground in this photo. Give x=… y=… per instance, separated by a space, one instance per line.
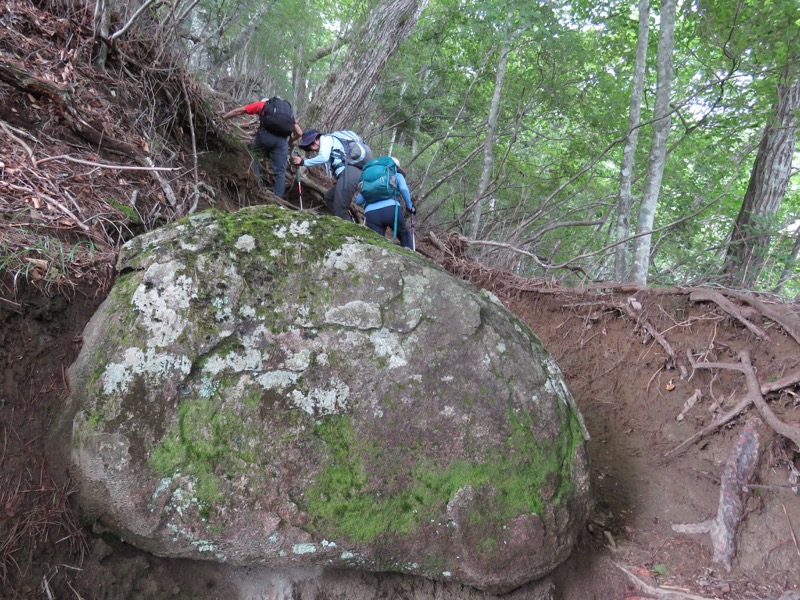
x=740 y=468
x=755 y=395
x=728 y=306
x=672 y=594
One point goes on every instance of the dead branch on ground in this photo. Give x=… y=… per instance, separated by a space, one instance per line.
x=646 y=588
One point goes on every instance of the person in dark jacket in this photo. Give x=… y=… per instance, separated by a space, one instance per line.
x=269 y=145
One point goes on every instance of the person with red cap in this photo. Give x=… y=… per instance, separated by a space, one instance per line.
x=331 y=152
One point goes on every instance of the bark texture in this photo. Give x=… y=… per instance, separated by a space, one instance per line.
x=629 y=151
x=339 y=102
x=769 y=180
x=658 y=147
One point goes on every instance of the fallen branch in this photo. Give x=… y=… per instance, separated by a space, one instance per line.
x=100 y=165
x=646 y=588
x=740 y=468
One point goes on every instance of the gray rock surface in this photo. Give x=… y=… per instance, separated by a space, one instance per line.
x=280 y=389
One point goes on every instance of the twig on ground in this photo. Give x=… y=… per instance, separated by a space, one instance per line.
x=647 y=390
x=46 y=588
x=48 y=199
x=7 y=129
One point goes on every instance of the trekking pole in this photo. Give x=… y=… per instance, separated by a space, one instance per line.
x=413 y=238
x=299 y=188
x=297 y=176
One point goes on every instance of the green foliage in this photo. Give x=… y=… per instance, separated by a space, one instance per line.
x=44 y=260
x=562 y=117
x=130 y=213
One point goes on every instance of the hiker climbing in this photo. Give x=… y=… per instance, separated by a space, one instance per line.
x=344 y=154
x=383 y=183
x=277 y=123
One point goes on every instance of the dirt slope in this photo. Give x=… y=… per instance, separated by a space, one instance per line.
x=621 y=377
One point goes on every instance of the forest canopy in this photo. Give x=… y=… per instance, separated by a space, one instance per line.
x=580 y=142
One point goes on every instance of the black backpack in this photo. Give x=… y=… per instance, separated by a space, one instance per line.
x=277 y=117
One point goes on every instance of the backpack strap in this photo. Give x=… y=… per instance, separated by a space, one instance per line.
x=338 y=156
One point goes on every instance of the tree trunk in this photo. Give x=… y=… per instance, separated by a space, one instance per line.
x=338 y=103
x=629 y=151
x=242 y=38
x=658 y=146
x=769 y=180
x=491 y=125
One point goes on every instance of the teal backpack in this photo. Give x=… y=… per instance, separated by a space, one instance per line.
x=379 y=180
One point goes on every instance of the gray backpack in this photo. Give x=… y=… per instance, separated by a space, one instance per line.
x=356 y=151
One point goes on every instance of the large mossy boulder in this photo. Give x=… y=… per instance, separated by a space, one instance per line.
x=276 y=388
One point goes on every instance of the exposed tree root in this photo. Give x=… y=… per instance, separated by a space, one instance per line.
x=740 y=468
x=782 y=314
x=755 y=395
x=631 y=310
x=728 y=307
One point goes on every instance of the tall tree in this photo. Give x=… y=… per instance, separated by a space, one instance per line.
x=491 y=125
x=769 y=180
x=658 y=146
x=340 y=100
x=631 y=140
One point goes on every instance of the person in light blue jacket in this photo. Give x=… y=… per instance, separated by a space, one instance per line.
x=387 y=212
